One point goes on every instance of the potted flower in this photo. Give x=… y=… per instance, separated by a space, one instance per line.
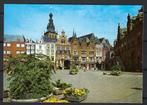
x=116 y=70
x=73 y=70
x=75 y=95
x=59 y=87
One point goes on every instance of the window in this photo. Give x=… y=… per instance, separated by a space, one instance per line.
x=5 y=59
x=91 y=52
x=17 y=45
x=4 y=44
x=67 y=48
x=75 y=52
x=83 y=52
x=33 y=47
x=22 y=45
x=52 y=52
x=40 y=47
x=62 y=48
x=28 y=46
x=8 y=52
x=22 y=52
x=17 y=52
x=8 y=44
x=32 y=51
x=58 y=48
x=91 y=59
x=28 y=51
x=52 y=46
x=52 y=58
x=83 y=58
x=4 y=52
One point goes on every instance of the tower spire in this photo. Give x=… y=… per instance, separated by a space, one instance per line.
x=74 y=34
x=129 y=23
x=50 y=26
x=118 y=31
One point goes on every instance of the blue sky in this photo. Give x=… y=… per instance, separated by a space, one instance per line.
x=31 y=20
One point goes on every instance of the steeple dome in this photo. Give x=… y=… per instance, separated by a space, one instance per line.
x=50 y=26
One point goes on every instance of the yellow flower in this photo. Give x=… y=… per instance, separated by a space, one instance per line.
x=55 y=100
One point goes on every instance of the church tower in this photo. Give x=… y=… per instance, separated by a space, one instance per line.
x=50 y=35
x=129 y=24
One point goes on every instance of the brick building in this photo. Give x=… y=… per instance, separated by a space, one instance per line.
x=87 y=50
x=102 y=48
x=128 y=46
x=13 y=45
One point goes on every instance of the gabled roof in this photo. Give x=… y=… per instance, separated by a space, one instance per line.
x=101 y=39
x=83 y=38
x=14 y=38
x=86 y=36
x=29 y=41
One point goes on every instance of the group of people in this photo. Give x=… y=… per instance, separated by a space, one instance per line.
x=98 y=66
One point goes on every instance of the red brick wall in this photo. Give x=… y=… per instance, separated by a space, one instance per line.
x=13 y=49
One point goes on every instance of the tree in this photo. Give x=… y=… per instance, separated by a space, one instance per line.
x=30 y=76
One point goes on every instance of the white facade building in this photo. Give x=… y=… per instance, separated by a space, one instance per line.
x=51 y=51
x=40 y=47
x=30 y=47
x=46 y=48
x=99 y=52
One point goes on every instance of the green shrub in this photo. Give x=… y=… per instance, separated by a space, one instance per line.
x=60 y=85
x=116 y=70
x=73 y=70
x=30 y=77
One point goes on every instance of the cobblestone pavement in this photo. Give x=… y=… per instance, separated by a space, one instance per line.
x=126 y=88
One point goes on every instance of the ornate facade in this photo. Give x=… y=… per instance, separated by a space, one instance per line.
x=128 y=46
x=63 y=52
x=88 y=51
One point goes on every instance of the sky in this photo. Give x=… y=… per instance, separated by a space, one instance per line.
x=31 y=20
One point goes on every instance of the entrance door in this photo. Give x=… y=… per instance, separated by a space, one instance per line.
x=67 y=64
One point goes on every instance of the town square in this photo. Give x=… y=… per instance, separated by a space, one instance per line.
x=92 y=57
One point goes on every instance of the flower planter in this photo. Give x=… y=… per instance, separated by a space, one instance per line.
x=73 y=98
x=115 y=73
x=54 y=100
x=73 y=73
x=57 y=91
x=31 y=100
x=6 y=94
